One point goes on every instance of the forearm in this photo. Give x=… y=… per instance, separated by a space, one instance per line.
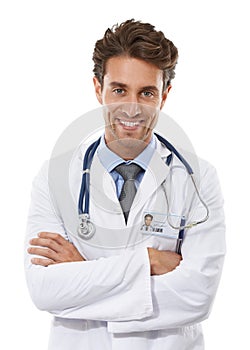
x=87 y=289
x=181 y=298
x=90 y=289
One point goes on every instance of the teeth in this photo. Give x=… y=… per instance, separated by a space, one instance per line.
x=131 y=124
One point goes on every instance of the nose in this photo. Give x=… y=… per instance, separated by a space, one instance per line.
x=131 y=109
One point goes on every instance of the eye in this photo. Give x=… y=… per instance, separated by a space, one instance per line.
x=147 y=93
x=118 y=91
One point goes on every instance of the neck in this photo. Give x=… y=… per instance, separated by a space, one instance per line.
x=127 y=149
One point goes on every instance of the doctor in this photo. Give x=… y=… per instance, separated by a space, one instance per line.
x=142 y=294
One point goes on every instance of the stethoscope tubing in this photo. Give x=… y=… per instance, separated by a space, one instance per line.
x=84 y=192
x=172 y=149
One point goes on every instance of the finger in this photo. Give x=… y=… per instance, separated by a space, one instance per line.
x=42 y=262
x=54 y=236
x=43 y=242
x=45 y=252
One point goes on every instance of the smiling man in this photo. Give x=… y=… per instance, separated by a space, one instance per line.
x=150 y=293
x=132 y=90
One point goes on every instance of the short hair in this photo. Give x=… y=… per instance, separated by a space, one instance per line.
x=138 y=40
x=148 y=216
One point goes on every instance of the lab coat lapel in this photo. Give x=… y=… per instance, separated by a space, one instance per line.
x=156 y=173
x=102 y=187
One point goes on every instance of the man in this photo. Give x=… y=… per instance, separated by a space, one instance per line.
x=142 y=293
x=148 y=218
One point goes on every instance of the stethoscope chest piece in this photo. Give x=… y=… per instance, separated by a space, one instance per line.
x=86 y=228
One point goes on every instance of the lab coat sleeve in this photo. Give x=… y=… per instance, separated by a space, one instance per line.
x=185 y=296
x=107 y=289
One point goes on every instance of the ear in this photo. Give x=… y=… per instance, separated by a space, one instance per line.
x=165 y=95
x=98 y=90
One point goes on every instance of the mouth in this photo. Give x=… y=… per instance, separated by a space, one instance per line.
x=130 y=125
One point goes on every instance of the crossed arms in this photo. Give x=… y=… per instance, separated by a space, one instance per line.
x=163 y=289
x=55 y=249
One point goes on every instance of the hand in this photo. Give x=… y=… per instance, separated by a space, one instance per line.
x=163 y=261
x=54 y=248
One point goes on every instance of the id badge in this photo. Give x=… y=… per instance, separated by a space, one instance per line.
x=155 y=223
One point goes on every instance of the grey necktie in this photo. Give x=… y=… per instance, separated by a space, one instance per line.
x=129 y=174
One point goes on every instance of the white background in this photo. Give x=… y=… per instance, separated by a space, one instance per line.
x=46 y=83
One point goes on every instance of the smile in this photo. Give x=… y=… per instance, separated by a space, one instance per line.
x=129 y=124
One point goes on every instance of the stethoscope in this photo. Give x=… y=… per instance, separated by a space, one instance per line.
x=86 y=228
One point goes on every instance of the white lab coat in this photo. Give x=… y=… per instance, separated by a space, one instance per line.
x=110 y=301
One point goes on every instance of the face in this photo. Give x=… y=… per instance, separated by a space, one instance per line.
x=132 y=96
x=148 y=220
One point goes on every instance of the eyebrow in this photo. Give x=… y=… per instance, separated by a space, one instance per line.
x=117 y=83
x=122 y=85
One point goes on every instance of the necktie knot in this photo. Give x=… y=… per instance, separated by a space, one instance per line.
x=128 y=172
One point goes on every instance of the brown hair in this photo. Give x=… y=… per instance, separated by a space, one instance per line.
x=138 y=40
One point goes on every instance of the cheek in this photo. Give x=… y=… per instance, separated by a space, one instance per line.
x=107 y=97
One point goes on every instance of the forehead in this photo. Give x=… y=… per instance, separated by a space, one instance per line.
x=132 y=71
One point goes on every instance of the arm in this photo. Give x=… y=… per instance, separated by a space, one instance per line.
x=163 y=261
x=84 y=289
x=185 y=296
x=51 y=248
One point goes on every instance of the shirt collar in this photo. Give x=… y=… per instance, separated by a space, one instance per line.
x=110 y=160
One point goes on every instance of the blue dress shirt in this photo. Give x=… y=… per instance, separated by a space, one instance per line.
x=110 y=160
